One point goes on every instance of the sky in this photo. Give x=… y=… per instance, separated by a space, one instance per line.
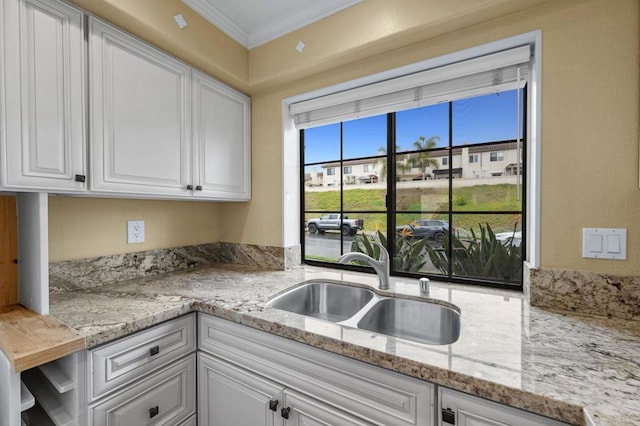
x=481 y=119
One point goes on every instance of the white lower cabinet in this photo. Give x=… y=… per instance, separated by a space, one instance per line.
x=461 y=409
x=147 y=378
x=54 y=393
x=191 y=421
x=250 y=377
x=230 y=395
x=301 y=410
x=165 y=398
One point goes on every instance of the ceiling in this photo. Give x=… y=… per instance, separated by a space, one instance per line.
x=255 y=22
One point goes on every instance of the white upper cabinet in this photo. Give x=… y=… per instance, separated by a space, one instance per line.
x=221 y=135
x=42 y=99
x=140 y=116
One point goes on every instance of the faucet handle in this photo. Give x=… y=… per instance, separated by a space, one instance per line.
x=424 y=286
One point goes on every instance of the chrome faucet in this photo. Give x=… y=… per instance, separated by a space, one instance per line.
x=381 y=265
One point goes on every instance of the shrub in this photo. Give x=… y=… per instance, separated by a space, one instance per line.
x=408 y=253
x=483 y=257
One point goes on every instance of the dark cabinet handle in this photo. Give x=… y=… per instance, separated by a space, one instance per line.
x=198 y=188
x=190 y=187
x=153 y=411
x=273 y=405
x=81 y=178
x=154 y=351
x=285 y=412
x=448 y=416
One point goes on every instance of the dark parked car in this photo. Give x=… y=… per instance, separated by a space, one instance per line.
x=431 y=229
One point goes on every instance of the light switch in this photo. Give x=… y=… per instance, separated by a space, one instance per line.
x=613 y=243
x=595 y=243
x=604 y=243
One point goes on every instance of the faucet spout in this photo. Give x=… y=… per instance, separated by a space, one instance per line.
x=380 y=265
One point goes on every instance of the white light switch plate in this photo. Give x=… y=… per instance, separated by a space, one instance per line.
x=135 y=231
x=604 y=243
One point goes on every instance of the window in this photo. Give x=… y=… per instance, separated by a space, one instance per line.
x=496 y=156
x=428 y=200
x=331 y=171
x=365 y=168
x=346 y=170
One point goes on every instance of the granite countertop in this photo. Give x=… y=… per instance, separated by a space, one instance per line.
x=568 y=367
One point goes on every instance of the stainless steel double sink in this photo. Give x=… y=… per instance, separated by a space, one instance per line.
x=360 y=307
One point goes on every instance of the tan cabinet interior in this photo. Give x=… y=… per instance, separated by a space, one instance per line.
x=8 y=251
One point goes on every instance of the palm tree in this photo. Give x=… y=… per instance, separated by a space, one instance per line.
x=401 y=166
x=422 y=159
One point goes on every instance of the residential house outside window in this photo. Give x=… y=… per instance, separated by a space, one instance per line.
x=473 y=158
x=346 y=170
x=331 y=171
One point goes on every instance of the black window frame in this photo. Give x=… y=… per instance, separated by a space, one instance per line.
x=391 y=207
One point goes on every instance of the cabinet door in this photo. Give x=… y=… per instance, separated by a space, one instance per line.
x=140 y=116
x=222 y=141
x=231 y=396
x=42 y=87
x=300 y=410
x=166 y=398
x=460 y=409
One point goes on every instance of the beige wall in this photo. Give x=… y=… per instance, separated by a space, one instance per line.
x=87 y=227
x=590 y=110
x=589 y=121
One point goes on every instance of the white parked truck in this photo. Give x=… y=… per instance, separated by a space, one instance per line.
x=334 y=222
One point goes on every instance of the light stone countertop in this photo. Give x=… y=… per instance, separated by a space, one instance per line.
x=550 y=363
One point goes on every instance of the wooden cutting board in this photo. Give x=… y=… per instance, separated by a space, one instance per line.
x=29 y=339
x=8 y=251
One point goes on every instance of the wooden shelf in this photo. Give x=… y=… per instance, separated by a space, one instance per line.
x=29 y=340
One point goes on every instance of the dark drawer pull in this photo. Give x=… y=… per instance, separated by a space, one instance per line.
x=190 y=187
x=153 y=411
x=448 y=416
x=80 y=178
x=273 y=405
x=154 y=351
x=285 y=412
x=198 y=188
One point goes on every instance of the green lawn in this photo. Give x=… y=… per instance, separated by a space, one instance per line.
x=500 y=197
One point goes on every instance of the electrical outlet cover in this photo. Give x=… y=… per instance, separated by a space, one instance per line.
x=135 y=231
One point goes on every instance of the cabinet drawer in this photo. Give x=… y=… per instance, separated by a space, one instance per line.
x=371 y=393
x=118 y=363
x=166 y=398
x=191 y=421
x=467 y=410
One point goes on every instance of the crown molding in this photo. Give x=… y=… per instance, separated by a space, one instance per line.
x=270 y=31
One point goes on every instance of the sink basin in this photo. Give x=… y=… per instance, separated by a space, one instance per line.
x=413 y=320
x=326 y=300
